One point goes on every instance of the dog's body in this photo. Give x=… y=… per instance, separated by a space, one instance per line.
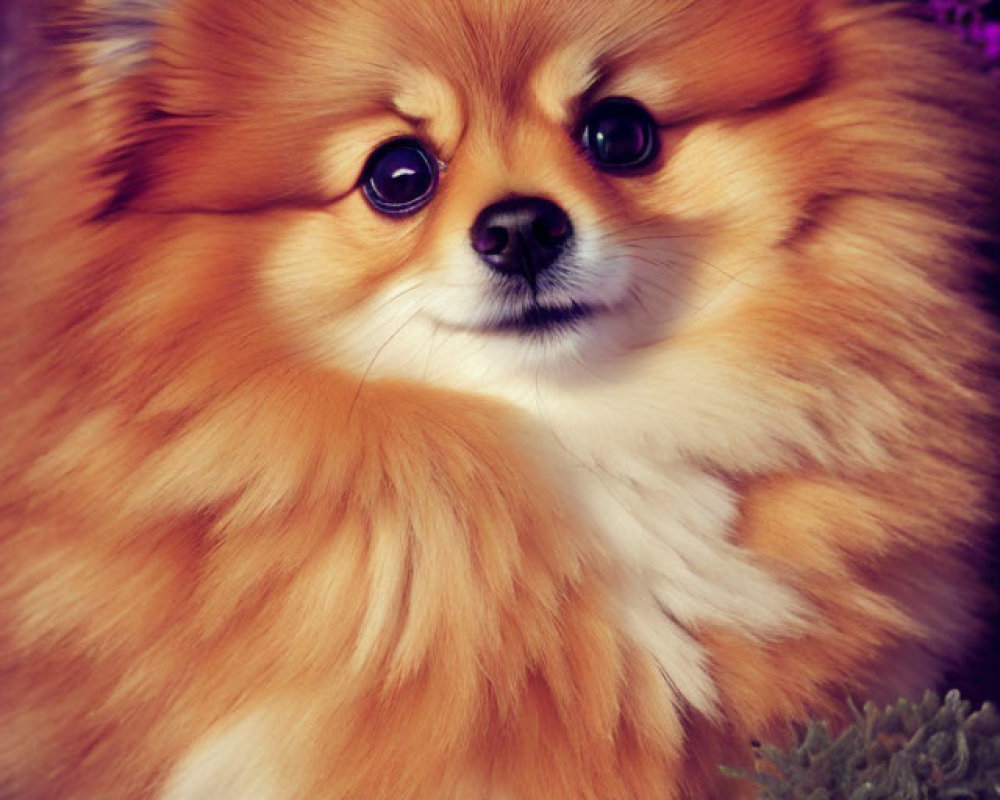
x=297 y=501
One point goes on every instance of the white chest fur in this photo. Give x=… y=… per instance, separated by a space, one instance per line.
x=669 y=525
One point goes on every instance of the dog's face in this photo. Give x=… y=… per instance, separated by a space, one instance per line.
x=468 y=191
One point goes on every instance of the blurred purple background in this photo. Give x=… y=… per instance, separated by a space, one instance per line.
x=976 y=21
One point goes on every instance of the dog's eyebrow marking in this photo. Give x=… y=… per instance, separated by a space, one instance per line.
x=427 y=99
x=560 y=80
x=645 y=82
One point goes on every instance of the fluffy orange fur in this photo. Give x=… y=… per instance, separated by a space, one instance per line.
x=244 y=553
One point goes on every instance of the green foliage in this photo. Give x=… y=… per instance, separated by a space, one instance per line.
x=908 y=751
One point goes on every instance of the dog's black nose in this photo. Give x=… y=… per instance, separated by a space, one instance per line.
x=521 y=236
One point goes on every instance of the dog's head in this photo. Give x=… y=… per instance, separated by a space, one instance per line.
x=745 y=202
x=507 y=185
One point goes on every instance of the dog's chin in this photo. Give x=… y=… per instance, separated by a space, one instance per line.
x=542 y=320
x=554 y=332
x=540 y=341
x=547 y=316
x=480 y=342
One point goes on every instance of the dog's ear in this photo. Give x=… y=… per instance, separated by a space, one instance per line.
x=75 y=89
x=109 y=31
x=90 y=48
x=111 y=38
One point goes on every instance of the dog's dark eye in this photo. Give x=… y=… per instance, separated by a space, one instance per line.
x=399 y=177
x=620 y=134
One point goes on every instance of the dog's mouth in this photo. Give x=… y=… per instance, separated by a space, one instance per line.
x=542 y=319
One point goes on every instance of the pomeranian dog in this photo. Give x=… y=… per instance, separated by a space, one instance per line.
x=481 y=398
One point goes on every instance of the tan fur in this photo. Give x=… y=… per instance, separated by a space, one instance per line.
x=267 y=532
